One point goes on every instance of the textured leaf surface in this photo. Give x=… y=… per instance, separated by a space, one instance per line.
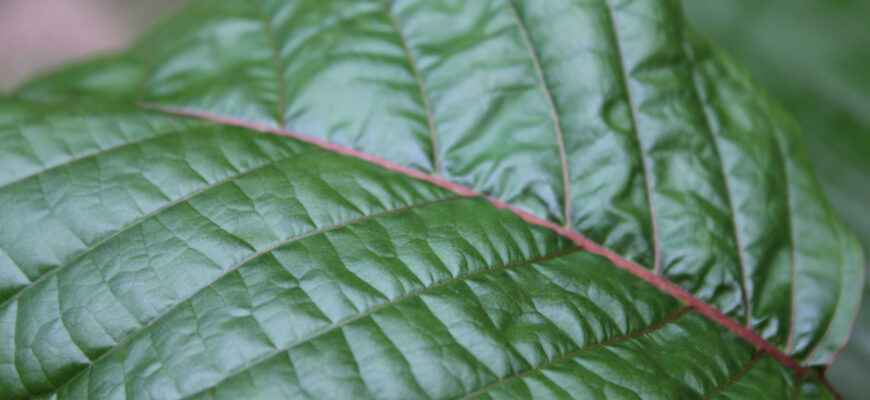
x=812 y=55
x=269 y=262
x=151 y=255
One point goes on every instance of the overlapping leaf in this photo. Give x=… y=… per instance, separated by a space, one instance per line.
x=149 y=255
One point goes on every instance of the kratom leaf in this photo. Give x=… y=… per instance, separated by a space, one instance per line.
x=149 y=254
x=812 y=55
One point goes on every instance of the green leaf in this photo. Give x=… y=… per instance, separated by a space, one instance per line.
x=812 y=55
x=156 y=245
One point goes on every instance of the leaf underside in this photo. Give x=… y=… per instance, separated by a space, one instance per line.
x=147 y=254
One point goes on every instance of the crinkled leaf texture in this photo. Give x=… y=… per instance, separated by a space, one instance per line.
x=415 y=199
x=813 y=58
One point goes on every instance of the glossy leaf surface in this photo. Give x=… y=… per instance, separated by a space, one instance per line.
x=813 y=56
x=267 y=262
x=153 y=255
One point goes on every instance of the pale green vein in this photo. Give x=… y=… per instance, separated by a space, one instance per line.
x=144 y=218
x=379 y=308
x=243 y=262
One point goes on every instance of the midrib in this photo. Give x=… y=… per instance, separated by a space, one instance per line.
x=589 y=245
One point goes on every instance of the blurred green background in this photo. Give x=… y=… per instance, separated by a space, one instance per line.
x=813 y=55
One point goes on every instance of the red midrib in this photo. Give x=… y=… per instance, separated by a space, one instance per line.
x=589 y=245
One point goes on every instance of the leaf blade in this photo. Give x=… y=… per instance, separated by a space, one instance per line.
x=689 y=234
